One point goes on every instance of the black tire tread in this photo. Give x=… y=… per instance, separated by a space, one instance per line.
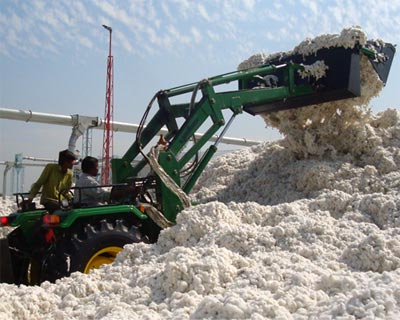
x=85 y=240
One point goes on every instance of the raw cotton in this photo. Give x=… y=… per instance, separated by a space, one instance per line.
x=329 y=127
x=7 y=205
x=301 y=228
x=317 y=70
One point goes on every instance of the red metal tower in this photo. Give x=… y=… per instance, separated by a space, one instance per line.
x=108 y=119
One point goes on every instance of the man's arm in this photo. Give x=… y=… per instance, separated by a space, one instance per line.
x=68 y=185
x=102 y=194
x=96 y=193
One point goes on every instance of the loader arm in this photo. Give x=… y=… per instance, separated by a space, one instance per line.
x=210 y=106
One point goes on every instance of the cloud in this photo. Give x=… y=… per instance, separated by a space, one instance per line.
x=249 y=4
x=166 y=10
x=34 y=41
x=16 y=22
x=177 y=36
x=184 y=7
x=124 y=41
x=213 y=35
x=114 y=12
x=42 y=27
x=153 y=36
x=80 y=11
x=85 y=41
x=311 y=6
x=196 y=35
x=203 y=12
x=37 y=28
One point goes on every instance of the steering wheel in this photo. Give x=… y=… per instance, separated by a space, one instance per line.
x=67 y=202
x=23 y=204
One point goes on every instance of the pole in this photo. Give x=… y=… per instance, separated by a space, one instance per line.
x=108 y=117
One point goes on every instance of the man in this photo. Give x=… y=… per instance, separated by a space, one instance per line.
x=54 y=179
x=90 y=194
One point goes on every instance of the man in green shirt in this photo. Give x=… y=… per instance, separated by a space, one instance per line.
x=54 y=178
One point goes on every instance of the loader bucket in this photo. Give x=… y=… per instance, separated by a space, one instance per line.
x=6 y=270
x=341 y=80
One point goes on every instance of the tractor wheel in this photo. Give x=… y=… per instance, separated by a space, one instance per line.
x=88 y=247
x=19 y=258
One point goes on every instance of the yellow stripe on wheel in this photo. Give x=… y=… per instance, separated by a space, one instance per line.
x=103 y=256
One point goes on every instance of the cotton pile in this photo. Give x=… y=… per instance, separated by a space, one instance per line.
x=307 y=227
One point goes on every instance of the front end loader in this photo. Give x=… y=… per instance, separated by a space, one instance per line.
x=47 y=246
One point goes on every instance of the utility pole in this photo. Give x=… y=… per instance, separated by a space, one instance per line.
x=108 y=118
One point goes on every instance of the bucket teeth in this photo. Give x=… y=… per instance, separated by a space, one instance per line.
x=382 y=60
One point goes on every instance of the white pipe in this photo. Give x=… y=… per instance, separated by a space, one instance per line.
x=35 y=164
x=30 y=116
x=8 y=165
x=81 y=124
x=37 y=159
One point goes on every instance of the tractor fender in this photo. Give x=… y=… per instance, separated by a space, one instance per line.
x=105 y=211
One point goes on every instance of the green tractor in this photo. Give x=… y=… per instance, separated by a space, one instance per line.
x=47 y=246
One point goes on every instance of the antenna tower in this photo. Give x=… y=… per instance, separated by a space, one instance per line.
x=108 y=119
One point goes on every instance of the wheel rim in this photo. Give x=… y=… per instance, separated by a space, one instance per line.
x=32 y=275
x=103 y=256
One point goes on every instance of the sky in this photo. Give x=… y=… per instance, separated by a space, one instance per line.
x=53 y=57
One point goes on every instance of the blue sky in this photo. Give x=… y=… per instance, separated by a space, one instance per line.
x=53 y=56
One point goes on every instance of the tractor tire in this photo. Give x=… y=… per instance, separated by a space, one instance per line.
x=6 y=270
x=88 y=246
x=20 y=258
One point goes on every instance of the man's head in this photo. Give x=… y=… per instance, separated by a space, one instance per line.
x=66 y=159
x=90 y=165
